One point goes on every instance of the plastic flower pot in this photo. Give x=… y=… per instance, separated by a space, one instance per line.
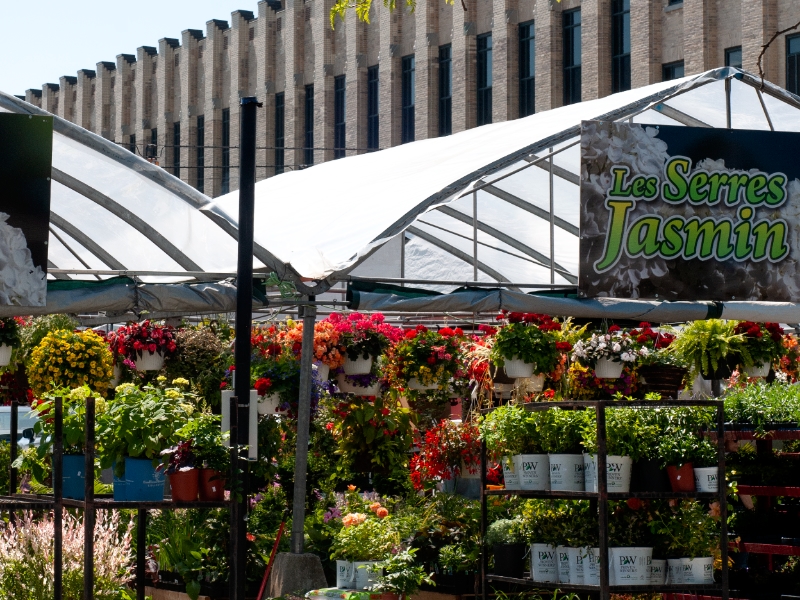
x=536 y=382
x=577 y=563
x=751 y=370
x=363 y=574
x=698 y=571
x=185 y=485
x=681 y=478
x=618 y=473
x=533 y=471
x=323 y=371
x=416 y=384
x=346 y=387
x=345 y=575
x=663 y=379
x=268 y=404
x=212 y=485
x=674 y=571
x=149 y=362
x=142 y=482
x=116 y=377
x=509 y=559
x=608 y=369
x=657 y=572
x=517 y=368
x=648 y=476
x=630 y=565
x=589 y=472
x=510 y=473
x=724 y=369
x=566 y=473
x=360 y=366
x=73 y=479
x=562 y=556
x=591 y=568
x=706 y=479
x=544 y=563
x=5 y=355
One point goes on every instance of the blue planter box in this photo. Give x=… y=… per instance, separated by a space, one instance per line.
x=73 y=478
x=140 y=483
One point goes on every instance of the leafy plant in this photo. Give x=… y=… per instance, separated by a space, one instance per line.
x=367 y=538
x=454 y=559
x=616 y=345
x=503 y=531
x=432 y=357
x=199 y=358
x=762 y=341
x=760 y=403
x=561 y=431
x=10 y=332
x=706 y=344
x=505 y=431
x=683 y=529
x=681 y=439
x=133 y=340
x=364 y=335
x=400 y=574
x=204 y=433
x=33 y=332
x=627 y=434
x=442 y=452
x=531 y=338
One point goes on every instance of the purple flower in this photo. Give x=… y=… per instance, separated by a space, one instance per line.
x=332 y=513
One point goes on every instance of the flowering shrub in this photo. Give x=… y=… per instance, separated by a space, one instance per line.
x=443 y=451
x=133 y=340
x=528 y=337
x=64 y=359
x=616 y=345
x=364 y=336
x=365 y=538
x=9 y=331
x=583 y=384
x=432 y=357
x=763 y=341
x=328 y=346
x=14 y=386
x=790 y=359
x=199 y=358
x=651 y=345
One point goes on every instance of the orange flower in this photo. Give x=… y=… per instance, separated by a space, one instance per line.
x=374 y=507
x=251 y=537
x=381 y=513
x=352 y=488
x=353 y=519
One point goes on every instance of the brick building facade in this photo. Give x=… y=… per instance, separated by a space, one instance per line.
x=360 y=87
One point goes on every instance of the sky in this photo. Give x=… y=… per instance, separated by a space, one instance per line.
x=49 y=38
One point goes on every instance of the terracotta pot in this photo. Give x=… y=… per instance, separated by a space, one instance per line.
x=184 y=485
x=389 y=596
x=212 y=485
x=681 y=479
x=663 y=379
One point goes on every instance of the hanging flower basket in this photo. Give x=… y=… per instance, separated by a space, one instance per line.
x=517 y=368
x=149 y=362
x=608 y=369
x=359 y=366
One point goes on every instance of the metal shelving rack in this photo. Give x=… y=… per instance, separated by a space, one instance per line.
x=602 y=496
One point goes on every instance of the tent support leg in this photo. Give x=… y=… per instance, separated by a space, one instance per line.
x=552 y=224
x=475 y=236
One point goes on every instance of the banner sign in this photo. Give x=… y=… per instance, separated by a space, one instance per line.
x=689 y=213
x=26 y=151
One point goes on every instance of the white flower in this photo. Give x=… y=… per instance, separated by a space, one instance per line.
x=627 y=357
x=644 y=351
x=616 y=347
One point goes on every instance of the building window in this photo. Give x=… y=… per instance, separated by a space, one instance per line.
x=674 y=2
x=308 y=151
x=279 y=133
x=132 y=143
x=484 y=79
x=571 y=21
x=733 y=57
x=176 y=148
x=372 y=108
x=620 y=45
x=338 y=116
x=793 y=64
x=408 y=96
x=151 y=151
x=527 y=69
x=201 y=153
x=673 y=70
x=445 y=90
x=226 y=150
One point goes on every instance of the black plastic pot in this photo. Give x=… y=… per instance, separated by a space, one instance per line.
x=509 y=559
x=724 y=370
x=648 y=476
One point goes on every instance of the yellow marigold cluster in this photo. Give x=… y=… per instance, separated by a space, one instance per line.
x=69 y=359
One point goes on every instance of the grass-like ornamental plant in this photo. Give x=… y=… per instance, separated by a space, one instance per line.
x=707 y=344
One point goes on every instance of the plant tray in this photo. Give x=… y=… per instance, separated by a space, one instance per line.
x=778 y=549
x=769 y=490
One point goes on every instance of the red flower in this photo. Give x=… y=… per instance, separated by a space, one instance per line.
x=262 y=386
x=411 y=334
x=431 y=360
x=329 y=426
x=446 y=332
x=634 y=503
x=250 y=537
x=549 y=394
x=385 y=411
x=563 y=346
x=614 y=329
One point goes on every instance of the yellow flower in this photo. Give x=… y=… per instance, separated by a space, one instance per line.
x=180 y=381
x=173 y=394
x=99 y=406
x=161 y=379
x=124 y=388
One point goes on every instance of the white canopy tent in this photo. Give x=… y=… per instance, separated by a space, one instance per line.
x=472 y=209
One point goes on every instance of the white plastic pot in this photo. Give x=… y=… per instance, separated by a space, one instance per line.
x=364 y=577
x=323 y=371
x=589 y=472
x=350 y=388
x=533 y=471
x=706 y=479
x=566 y=472
x=608 y=369
x=630 y=565
x=544 y=563
x=536 y=382
x=675 y=571
x=517 y=368
x=618 y=473
x=416 y=384
x=657 y=571
x=701 y=387
x=149 y=362
x=5 y=355
x=360 y=366
x=268 y=404
x=345 y=575
x=562 y=556
x=510 y=473
x=698 y=571
x=116 y=377
x=591 y=566
x=759 y=371
x=578 y=559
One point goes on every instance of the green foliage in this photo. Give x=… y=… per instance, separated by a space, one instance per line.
x=373 y=539
x=33 y=333
x=199 y=358
x=399 y=574
x=561 y=431
x=528 y=343
x=705 y=345
x=454 y=559
x=682 y=529
x=761 y=403
x=629 y=432
x=508 y=431
x=557 y=522
x=503 y=531
x=681 y=439
x=5 y=464
x=203 y=430
x=9 y=332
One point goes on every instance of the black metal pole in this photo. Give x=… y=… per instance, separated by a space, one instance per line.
x=58 y=492
x=141 y=551
x=88 y=505
x=602 y=505
x=309 y=314
x=484 y=524
x=723 y=498
x=244 y=318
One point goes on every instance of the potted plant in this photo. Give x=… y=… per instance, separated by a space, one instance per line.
x=427 y=360
x=630 y=543
x=541 y=523
x=681 y=443
x=624 y=444
x=211 y=457
x=446 y=452
x=132 y=432
x=508 y=549
x=706 y=467
x=364 y=338
x=561 y=434
x=9 y=339
x=504 y=430
x=710 y=347
x=525 y=344
x=532 y=464
x=455 y=566
x=179 y=465
x=606 y=352
x=399 y=576
x=661 y=371
x=329 y=349
x=147 y=344
x=364 y=541
x=647 y=473
x=762 y=343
